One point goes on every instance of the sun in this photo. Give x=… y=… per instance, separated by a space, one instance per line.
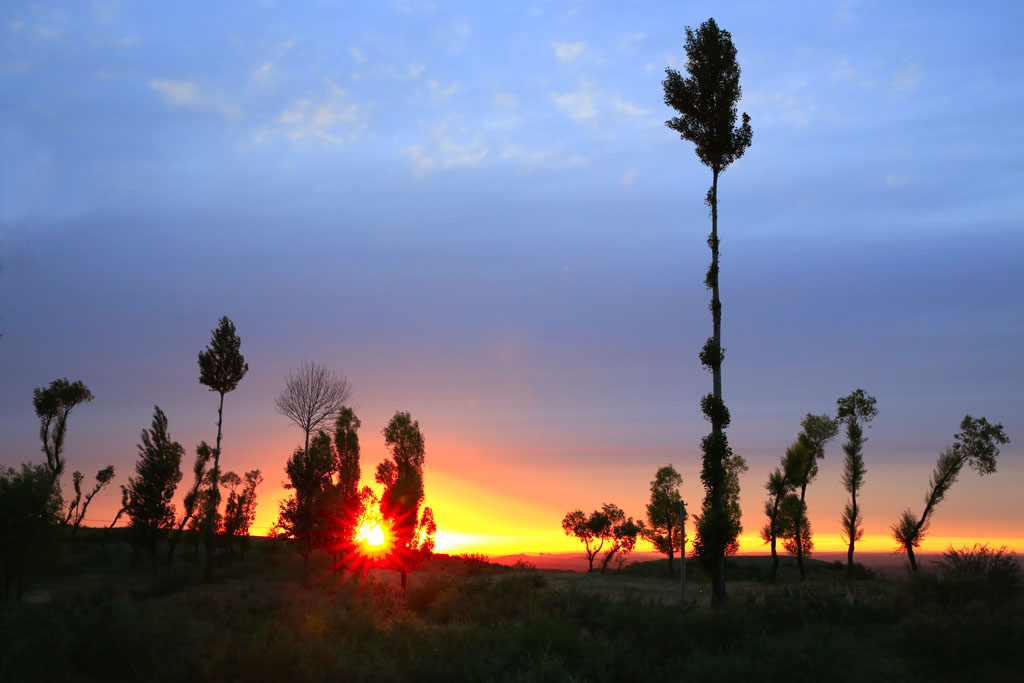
x=372 y=535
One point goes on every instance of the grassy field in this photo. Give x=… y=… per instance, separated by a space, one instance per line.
x=92 y=617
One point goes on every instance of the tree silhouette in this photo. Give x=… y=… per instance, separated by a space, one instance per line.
x=976 y=444
x=778 y=487
x=193 y=497
x=706 y=101
x=402 y=478
x=664 y=528
x=76 y=511
x=120 y=511
x=240 y=509
x=734 y=466
x=854 y=410
x=29 y=510
x=801 y=467
x=593 y=531
x=53 y=405
x=309 y=476
x=312 y=396
x=221 y=367
x=151 y=490
x=622 y=532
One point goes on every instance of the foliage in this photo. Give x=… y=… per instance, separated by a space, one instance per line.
x=706 y=102
x=664 y=528
x=621 y=536
x=703 y=530
x=53 y=405
x=977 y=445
x=221 y=367
x=240 y=509
x=412 y=535
x=779 y=486
x=158 y=470
x=854 y=410
x=193 y=498
x=981 y=571
x=800 y=465
x=29 y=511
x=76 y=511
x=592 y=530
x=309 y=476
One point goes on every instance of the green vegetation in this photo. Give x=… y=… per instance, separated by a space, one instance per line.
x=465 y=619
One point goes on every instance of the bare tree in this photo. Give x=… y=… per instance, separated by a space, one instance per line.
x=312 y=395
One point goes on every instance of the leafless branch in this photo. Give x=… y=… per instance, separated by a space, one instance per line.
x=312 y=395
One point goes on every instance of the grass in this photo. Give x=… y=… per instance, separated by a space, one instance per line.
x=465 y=619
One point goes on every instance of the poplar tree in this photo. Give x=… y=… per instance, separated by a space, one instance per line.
x=150 y=492
x=801 y=466
x=976 y=444
x=221 y=367
x=706 y=100
x=855 y=410
x=412 y=536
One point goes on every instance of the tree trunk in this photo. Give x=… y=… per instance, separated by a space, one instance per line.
x=403 y=581
x=853 y=535
x=800 y=531
x=718 y=594
x=910 y=556
x=671 y=567
x=214 y=494
x=775 y=557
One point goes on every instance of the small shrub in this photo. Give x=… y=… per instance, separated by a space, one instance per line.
x=980 y=572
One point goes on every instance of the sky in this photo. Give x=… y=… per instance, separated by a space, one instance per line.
x=475 y=212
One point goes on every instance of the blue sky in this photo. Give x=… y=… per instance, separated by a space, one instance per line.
x=475 y=211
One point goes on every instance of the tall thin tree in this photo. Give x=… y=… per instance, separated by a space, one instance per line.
x=976 y=444
x=706 y=100
x=312 y=396
x=855 y=410
x=801 y=465
x=664 y=529
x=221 y=367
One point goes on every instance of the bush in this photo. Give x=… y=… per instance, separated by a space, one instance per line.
x=980 y=572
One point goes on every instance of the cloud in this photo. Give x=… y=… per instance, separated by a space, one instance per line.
x=505 y=100
x=264 y=74
x=628 y=179
x=332 y=118
x=187 y=94
x=906 y=78
x=16 y=25
x=893 y=180
x=439 y=94
x=632 y=39
x=843 y=70
x=577 y=105
x=568 y=52
x=447 y=149
x=415 y=70
x=628 y=109
x=357 y=55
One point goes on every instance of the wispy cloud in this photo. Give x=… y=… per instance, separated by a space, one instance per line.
x=629 y=109
x=505 y=100
x=332 y=118
x=447 y=148
x=438 y=93
x=906 y=78
x=578 y=105
x=357 y=55
x=187 y=94
x=568 y=52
